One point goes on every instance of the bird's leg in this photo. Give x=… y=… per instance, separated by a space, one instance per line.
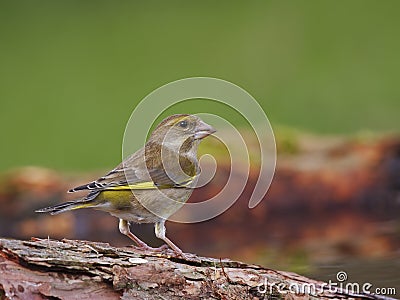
x=124 y=229
x=160 y=233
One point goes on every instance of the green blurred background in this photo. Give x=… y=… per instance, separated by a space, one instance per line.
x=71 y=72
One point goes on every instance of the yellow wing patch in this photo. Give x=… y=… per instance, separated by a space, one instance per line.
x=137 y=186
x=148 y=185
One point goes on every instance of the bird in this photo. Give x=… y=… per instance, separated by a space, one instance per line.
x=151 y=184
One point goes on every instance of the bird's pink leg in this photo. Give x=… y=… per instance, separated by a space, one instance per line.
x=124 y=229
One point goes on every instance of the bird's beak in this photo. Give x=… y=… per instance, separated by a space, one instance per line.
x=203 y=130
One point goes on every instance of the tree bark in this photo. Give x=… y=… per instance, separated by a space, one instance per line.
x=69 y=269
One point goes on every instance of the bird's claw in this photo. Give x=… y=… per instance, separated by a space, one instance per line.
x=145 y=247
x=164 y=249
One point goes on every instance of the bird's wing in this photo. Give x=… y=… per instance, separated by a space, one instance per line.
x=120 y=175
x=131 y=174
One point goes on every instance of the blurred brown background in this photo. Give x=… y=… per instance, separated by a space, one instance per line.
x=333 y=205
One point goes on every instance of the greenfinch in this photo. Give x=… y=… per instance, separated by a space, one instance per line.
x=151 y=184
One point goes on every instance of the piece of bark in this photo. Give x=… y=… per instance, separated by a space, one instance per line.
x=69 y=269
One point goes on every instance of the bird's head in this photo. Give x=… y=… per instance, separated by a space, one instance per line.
x=173 y=148
x=181 y=129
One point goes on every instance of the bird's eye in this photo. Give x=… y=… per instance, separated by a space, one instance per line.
x=183 y=124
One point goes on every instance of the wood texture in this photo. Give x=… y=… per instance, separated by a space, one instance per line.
x=69 y=269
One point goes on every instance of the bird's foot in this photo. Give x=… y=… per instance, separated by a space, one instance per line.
x=145 y=247
x=164 y=249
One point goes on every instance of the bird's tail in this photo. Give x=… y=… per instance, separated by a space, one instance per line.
x=66 y=206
